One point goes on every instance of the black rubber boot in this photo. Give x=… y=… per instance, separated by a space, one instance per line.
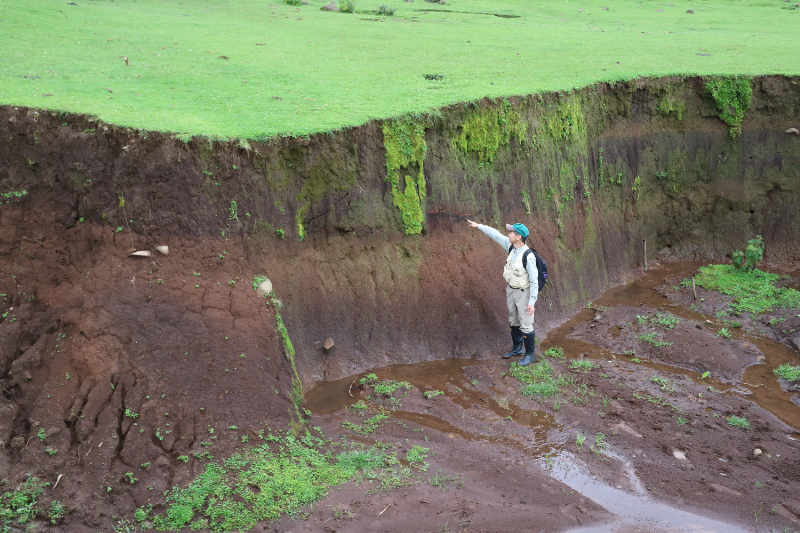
x=518 y=339
x=530 y=346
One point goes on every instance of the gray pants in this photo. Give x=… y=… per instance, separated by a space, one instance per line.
x=517 y=300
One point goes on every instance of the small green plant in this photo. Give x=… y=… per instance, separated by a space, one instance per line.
x=131 y=414
x=724 y=333
x=705 y=374
x=360 y=405
x=738 y=422
x=233 y=208
x=347 y=6
x=556 y=352
x=681 y=421
x=130 y=477
x=665 y=384
x=57 y=511
x=653 y=339
x=51 y=451
x=753 y=254
x=432 y=393
x=258 y=280
x=416 y=456
x=788 y=372
x=390 y=386
x=666 y=320
x=582 y=364
x=580 y=438
x=119 y=228
x=600 y=445
x=41 y=435
x=385 y=10
x=183 y=458
x=146 y=465
x=293 y=2
x=280 y=233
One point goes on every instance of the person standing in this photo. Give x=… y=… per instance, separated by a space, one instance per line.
x=522 y=287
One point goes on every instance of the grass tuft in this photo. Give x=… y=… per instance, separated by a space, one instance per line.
x=260 y=483
x=739 y=422
x=788 y=372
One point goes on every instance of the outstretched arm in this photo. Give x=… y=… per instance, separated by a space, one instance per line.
x=495 y=235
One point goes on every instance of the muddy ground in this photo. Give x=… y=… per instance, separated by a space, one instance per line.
x=516 y=460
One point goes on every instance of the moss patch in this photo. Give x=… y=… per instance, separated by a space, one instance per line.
x=732 y=96
x=486 y=129
x=404 y=140
x=566 y=122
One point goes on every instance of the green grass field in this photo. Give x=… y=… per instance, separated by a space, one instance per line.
x=254 y=69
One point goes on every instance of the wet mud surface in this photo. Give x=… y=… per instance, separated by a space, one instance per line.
x=659 y=454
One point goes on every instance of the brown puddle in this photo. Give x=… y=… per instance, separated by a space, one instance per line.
x=330 y=396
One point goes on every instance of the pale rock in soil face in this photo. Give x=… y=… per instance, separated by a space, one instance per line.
x=264 y=288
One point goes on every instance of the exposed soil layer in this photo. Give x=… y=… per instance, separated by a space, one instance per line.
x=670 y=441
x=112 y=361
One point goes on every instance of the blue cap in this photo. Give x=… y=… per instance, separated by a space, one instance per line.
x=519 y=228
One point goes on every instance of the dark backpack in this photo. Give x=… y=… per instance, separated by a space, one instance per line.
x=541 y=266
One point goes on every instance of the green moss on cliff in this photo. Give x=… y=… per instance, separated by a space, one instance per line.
x=404 y=140
x=319 y=181
x=288 y=348
x=566 y=121
x=486 y=129
x=671 y=106
x=732 y=95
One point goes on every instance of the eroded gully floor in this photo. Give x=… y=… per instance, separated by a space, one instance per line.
x=538 y=435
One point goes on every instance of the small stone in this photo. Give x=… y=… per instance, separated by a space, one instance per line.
x=757 y=452
x=328 y=343
x=679 y=455
x=264 y=288
x=690 y=11
x=330 y=6
x=760 y=359
x=793 y=130
x=163 y=249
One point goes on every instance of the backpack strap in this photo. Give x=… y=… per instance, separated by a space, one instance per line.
x=525 y=255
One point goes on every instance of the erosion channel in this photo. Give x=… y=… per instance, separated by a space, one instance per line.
x=138 y=358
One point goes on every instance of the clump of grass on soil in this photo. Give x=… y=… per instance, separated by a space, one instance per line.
x=262 y=483
x=753 y=291
x=788 y=372
x=22 y=505
x=556 y=352
x=540 y=379
x=582 y=364
x=387 y=387
x=739 y=422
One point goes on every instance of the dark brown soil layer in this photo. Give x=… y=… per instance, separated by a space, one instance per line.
x=119 y=361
